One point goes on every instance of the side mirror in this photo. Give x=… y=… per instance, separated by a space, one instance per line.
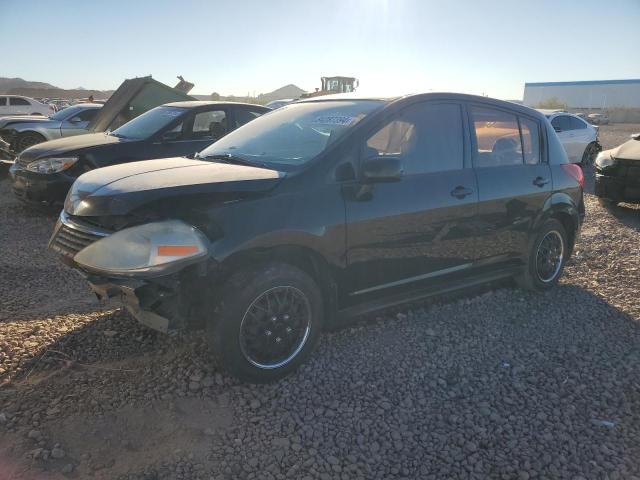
x=75 y=120
x=381 y=169
x=557 y=129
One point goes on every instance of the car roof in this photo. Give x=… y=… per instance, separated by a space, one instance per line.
x=550 y=111
x=347 y=96
x=451 y=96
x=202 y=103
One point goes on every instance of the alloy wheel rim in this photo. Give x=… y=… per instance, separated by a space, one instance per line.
x=275 y=327
x=549 y=256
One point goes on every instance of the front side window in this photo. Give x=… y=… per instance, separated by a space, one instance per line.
x=149 y=123
x=17 y=101
x=294 y=134
x=210 y=125
x=87 y=115
x=427 y=137
x=3 y=101
x=497 y=138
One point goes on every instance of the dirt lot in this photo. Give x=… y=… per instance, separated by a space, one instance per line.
x=502 y=384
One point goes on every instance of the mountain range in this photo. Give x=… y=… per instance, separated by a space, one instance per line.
x=19 y=86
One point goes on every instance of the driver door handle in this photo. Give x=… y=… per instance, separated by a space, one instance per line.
x=460 y=192
x=540 y=182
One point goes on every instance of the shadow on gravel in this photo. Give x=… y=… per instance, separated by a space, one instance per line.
x=627 y=214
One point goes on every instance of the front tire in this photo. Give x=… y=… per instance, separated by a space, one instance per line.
x=29 y=139
x=267 y=322
x=547 y=256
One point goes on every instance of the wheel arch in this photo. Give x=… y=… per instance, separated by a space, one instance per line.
x=21 y=134
x=306 y=259
x=561 y=207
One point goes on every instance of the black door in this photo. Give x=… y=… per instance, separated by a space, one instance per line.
x=416 y=228
x=513 y=180
x=192 y=134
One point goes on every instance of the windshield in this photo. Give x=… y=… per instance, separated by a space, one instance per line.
x=145 y=125
x=67 y=112
x=293 y=134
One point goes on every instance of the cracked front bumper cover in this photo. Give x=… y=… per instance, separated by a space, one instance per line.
x=139 y=297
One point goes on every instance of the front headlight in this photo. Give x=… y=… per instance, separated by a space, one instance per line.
x=51 y=165
x=604 y=159
x=145 y=249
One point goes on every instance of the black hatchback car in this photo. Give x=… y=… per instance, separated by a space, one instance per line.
x=45 y=172
x=324 y=209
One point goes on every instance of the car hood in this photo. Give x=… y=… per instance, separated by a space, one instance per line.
x=627 y=151
x=8 y=121
x=120 y=189
x=70 y=145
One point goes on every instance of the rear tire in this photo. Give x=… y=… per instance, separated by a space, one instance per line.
x=28 y=139
x=267 y=322
x=547 y=256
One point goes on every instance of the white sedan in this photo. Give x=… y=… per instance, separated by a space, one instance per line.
x=19 y=105
x=578 y=137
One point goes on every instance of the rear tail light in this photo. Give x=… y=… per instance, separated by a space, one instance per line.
x=575 y=172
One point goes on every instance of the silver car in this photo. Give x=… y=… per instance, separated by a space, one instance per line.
x=578 y=137
x=20 y=133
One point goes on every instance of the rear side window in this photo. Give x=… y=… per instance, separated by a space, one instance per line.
x=576 y=123
x=3 y=101
x=561 y=123
x=498 y=141
x=530 y=141
x=427 y=137
x=17 y=101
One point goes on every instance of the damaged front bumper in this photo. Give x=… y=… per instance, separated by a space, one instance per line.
x=165 y=303
x=136 y=296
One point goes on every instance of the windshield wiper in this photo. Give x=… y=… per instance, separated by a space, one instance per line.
x=232 y=159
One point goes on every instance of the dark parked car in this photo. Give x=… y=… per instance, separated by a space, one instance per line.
x=44 y=172
x=618 y=173
x=324 y=209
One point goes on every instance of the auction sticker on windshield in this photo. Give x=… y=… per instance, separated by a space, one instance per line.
x=333 y=120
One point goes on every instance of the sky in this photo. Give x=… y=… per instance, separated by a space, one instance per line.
x=489 y=47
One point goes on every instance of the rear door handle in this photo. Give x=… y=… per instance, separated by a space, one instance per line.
x=460 y=192
x=540 y=182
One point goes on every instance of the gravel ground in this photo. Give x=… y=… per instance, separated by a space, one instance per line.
x=504 y=384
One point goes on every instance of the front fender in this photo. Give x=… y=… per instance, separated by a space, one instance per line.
x=49 y=133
